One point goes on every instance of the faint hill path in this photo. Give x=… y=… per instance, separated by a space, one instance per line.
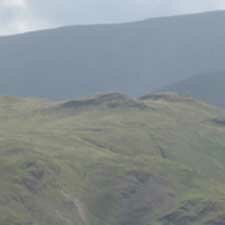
x=77 y=204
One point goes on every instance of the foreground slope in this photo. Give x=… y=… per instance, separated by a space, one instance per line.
x=209 y=87
x=134 y=58
x=111 y=160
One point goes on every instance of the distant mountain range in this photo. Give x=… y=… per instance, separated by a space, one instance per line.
x=209 y=87
x=133 y=58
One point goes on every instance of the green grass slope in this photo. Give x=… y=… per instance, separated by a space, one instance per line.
x=112 y=160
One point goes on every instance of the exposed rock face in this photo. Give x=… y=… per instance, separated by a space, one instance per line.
x=167 y=96
x=194 y=211
x=112 y=100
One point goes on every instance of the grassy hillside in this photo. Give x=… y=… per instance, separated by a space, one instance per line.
x=208 y=87
x=111 y=160
x=132 y=58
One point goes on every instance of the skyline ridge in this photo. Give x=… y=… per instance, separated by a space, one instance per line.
x=112 y=23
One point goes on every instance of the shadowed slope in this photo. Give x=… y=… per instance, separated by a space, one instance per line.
x=208 y=87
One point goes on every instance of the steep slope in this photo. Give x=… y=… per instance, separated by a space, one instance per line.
x=111 y=160
x=209 y=87
x=133 y=58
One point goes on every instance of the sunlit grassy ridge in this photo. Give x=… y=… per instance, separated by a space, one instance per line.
x=111 y=160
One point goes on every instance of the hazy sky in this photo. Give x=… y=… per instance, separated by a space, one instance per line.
x=24 y=15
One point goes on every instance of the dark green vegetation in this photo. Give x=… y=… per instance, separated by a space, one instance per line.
x=209 y=87
x=133 y=58
x=112 y=160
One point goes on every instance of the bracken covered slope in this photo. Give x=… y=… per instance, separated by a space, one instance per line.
x=112 y=160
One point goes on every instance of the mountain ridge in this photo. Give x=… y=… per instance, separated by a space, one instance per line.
x=133 y=58
x=119 y=23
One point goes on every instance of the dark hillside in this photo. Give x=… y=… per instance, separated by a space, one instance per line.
x=132 y=58
x=209 y=87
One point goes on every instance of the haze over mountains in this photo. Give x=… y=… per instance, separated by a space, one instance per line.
x=133 y=58
x=114 y=159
